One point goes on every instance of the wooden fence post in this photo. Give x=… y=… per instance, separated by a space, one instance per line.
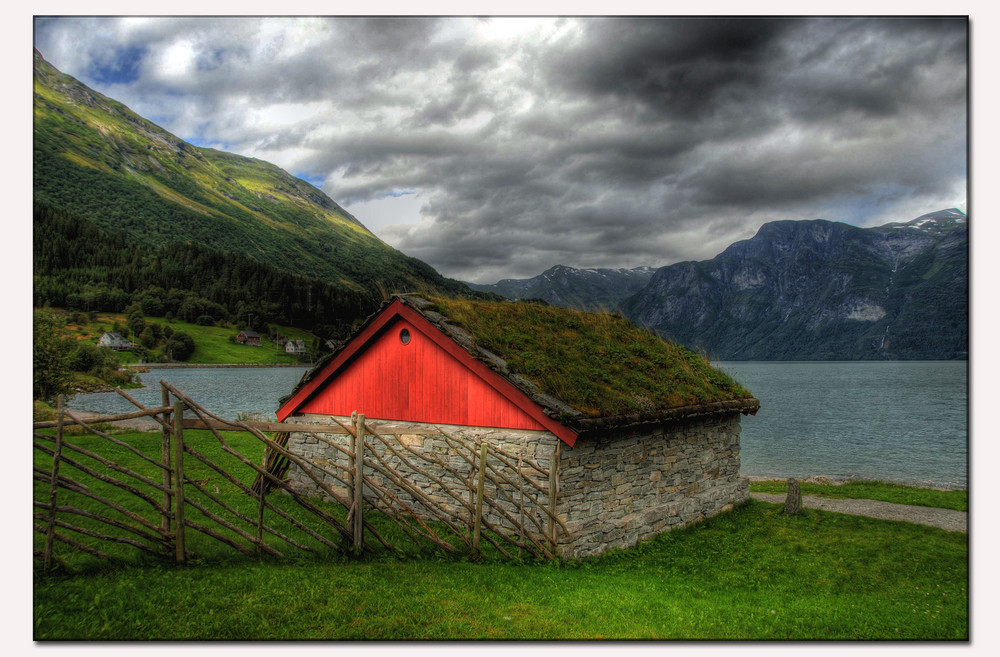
x=260 y=503
x=520 y=502
x=165 y=458
x=353 y=447
x=553 y=493
x=480 y=489
x=359 y=483
x=179 y=480
x=50 y=530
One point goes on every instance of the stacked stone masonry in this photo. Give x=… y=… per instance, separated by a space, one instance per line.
x=614 y=491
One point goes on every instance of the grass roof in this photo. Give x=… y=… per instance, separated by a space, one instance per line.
x=600 y=364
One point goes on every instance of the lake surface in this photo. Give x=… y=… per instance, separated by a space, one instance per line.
x=889 y=420
x=894 y=421
x=224 y=391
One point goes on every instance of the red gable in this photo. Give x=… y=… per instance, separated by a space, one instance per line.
x=401 y=367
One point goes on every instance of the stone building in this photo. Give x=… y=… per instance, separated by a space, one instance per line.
x=644 y=434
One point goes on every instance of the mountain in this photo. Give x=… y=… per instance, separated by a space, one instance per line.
x=821 y=290
x=580 y=289
x=101 y=162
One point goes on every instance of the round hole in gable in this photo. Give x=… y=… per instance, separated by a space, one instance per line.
x=404 y=336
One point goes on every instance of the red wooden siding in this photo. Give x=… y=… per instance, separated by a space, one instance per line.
x=417 y=382
x=430 y=379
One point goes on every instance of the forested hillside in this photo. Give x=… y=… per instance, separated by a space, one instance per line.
x=78 y=266
x=99 y=161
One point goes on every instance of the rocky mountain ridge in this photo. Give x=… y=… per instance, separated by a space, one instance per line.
x=821 y=290
x=581 y=289
x=797 y=290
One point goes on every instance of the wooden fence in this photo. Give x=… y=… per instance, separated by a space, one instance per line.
x=164 y=500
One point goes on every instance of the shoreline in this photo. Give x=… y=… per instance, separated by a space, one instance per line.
x=839 y=481
x=172 y=366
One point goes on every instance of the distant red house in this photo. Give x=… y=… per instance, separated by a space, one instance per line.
x=250 y=338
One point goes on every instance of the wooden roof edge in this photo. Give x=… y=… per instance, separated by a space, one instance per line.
x=592 y=426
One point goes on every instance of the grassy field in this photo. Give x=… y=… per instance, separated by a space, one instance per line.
x=212 y=345
x=748 y=574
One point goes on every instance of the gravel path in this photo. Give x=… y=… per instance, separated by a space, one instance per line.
x=947 y=519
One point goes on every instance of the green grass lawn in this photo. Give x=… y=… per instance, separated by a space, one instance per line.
x=752 y=573
x=212 y=346
x=957 y=500
x=749 y=574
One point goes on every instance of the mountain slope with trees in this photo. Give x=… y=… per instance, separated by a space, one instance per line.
x=98 y=160
x=78 y=266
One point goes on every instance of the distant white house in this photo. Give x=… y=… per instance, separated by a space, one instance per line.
x=115 y=341
x=295 y=347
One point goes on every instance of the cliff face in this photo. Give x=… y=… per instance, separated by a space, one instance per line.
x=819 y=290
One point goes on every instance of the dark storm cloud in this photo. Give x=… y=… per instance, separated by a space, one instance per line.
x=583 y=141
x=677 y=68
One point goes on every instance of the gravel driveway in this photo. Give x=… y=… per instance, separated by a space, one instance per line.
x=947 y=519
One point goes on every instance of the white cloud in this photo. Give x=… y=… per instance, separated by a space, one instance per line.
x=390 y=216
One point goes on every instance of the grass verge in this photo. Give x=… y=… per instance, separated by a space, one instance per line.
x=957 y=500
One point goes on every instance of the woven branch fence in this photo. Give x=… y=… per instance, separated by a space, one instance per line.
x=179 y=496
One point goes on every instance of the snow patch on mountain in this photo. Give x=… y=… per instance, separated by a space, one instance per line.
x=865 y=311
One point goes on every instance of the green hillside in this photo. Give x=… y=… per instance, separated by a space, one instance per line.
x=100 y=161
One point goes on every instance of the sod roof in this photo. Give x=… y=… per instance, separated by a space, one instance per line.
x=591 y=370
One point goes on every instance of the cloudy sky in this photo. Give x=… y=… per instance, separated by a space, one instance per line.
x=499 y=147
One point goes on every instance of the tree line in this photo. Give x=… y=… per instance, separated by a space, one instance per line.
x=80 y=267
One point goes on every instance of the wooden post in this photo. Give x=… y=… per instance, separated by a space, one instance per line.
x=179 y=480
x=471 y=485
x=480 y=488
x=553 y=492
x=520 y=502
x=359 y=483
x=50 y=530
x=165 y=458
x=353 y=446
x=260 y=503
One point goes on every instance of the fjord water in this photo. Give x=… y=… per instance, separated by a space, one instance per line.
x=903 y=421
x=889 y=420
x=225 y=391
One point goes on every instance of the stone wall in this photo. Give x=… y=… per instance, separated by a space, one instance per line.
x=536 y=447
x=613 y=491
x=616 y=491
